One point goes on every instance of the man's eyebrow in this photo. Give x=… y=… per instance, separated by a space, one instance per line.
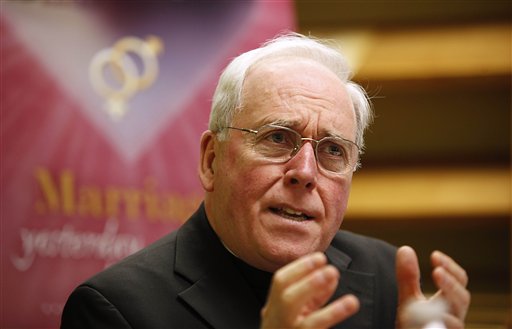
x=333 y=134
x=294 y=123
x=284 y=123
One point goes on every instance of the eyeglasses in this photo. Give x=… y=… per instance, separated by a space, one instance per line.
x=280 y=144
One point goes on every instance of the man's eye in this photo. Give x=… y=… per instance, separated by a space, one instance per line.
x=333 y=149
x=277 y=137
x=280 y=137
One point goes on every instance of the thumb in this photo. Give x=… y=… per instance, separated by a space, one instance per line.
x=408 y=275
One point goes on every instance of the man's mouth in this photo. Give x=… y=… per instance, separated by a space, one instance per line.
x=291 y=214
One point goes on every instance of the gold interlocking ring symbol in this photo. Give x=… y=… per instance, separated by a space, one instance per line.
x=124 y=79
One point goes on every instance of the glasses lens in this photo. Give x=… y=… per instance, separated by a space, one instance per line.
x=276 y=143
x=335 y=155
x=281 y=143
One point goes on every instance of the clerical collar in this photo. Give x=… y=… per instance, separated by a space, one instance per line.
x=258 y=280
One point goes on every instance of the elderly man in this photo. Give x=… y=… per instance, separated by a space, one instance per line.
x=265 y=249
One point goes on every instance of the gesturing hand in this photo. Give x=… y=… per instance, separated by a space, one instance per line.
x=449 y=277
x=299 y=292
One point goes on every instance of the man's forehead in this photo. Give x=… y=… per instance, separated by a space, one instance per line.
x=283 y=78
x=295 y=92
x=296 y=124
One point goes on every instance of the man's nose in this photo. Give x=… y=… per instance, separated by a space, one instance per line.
x=302 y=169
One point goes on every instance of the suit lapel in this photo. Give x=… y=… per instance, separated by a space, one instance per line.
x=224 y=300
x=357 y=283
x=218 y=291
x=221 y=296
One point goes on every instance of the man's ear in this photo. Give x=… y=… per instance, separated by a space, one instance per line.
x=207 y=160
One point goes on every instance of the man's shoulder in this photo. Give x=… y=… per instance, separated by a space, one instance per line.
x=142 y=289
x=364 y=249
x=343 y=237
x=155 y=258
x=153 y=261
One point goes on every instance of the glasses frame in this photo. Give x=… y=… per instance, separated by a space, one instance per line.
x=351 y=167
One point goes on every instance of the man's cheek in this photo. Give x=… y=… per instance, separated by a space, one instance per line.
x=337 y=204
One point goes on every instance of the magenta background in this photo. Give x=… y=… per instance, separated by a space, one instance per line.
x=45 y=126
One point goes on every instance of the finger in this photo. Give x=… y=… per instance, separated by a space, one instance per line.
x=282 y=308
x=337 y=311
x=441 y=259
x=408 y=275
x=297 y=270
x=452 y=322
x=311 y=292
x=454 y=293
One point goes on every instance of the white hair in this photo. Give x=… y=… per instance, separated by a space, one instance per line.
x=227 y=98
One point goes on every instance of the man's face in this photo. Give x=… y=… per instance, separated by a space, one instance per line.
x=257 y=207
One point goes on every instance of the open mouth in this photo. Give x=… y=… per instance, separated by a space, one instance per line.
x=291 y=214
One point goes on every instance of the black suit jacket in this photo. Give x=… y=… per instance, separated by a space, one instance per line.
x=188 y=280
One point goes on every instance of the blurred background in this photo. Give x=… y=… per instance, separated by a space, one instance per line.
x=436 y=170
x=95 y=165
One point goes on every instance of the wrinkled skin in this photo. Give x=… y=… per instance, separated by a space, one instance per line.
x=248 y=201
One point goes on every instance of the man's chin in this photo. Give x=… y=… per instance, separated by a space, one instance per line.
x=279 y=257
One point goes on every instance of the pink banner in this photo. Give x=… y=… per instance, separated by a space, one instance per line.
x=102 y=108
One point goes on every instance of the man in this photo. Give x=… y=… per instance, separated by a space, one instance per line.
x=264 y=249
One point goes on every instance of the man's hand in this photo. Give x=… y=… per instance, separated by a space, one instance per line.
x=299 y=292
x=448 y=276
